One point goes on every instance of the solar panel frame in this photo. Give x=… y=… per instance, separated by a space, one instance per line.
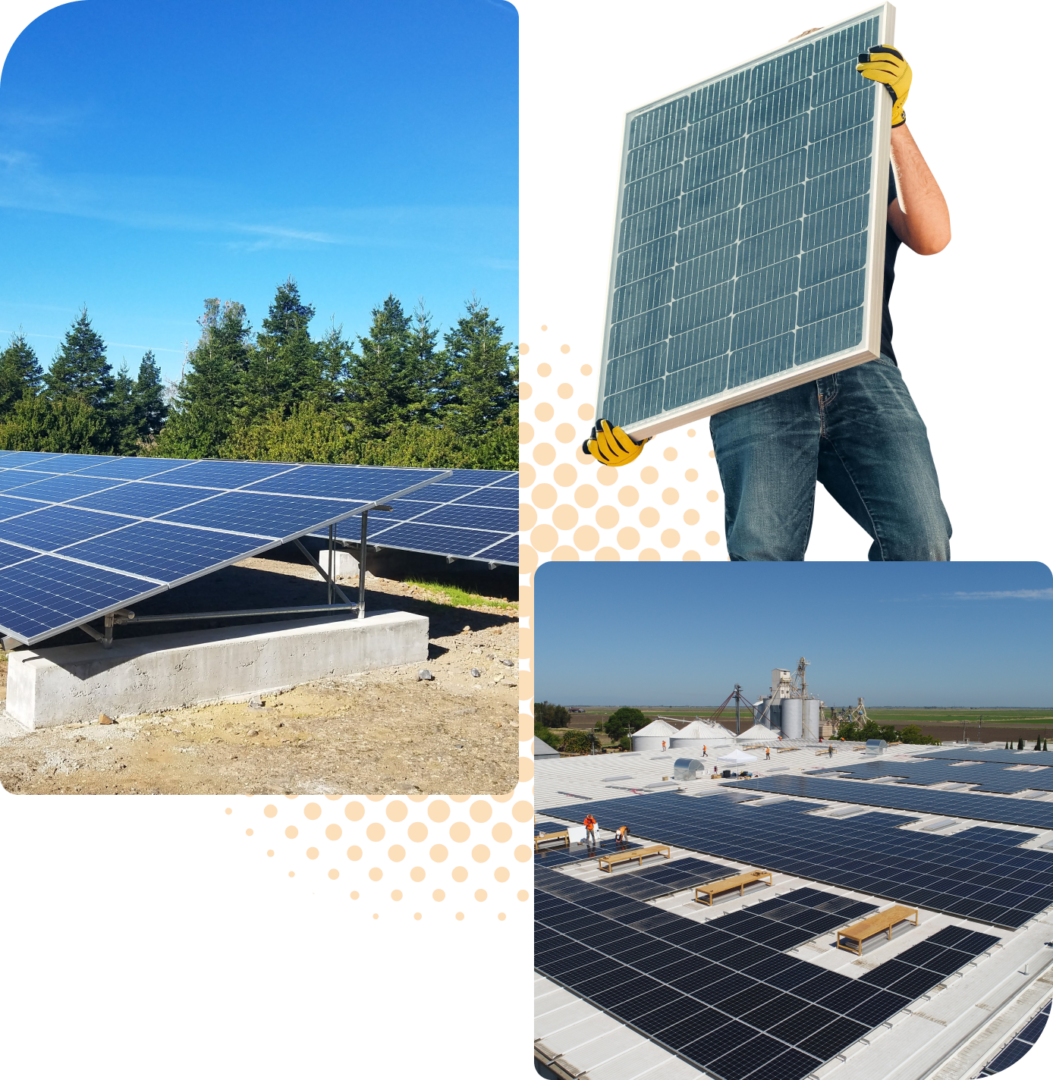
x=658 y=189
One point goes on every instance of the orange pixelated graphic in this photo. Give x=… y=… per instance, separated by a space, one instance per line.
x=486 y=829
x=419 y=896
x=574 y=510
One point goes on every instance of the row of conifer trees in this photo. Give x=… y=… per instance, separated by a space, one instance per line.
x=398 y=395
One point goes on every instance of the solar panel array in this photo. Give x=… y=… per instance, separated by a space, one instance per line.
x=1020 y=1045
x=662 y=878
x=1010 y=811
x=715 y=996
x=977 y=874
x=988 y=775
x=82 y=535
x=473 y=514
x=1004 y=757
x=744 y=249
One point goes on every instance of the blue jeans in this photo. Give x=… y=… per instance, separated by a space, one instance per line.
x=859 y=434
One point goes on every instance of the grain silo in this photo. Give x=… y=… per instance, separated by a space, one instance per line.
x=656 y=736
x=812 y=715
x=792 y=718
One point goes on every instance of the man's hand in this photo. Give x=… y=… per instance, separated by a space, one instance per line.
x=885 y=64
x=612 y=446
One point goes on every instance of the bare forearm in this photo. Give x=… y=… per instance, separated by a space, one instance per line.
x=919 y=217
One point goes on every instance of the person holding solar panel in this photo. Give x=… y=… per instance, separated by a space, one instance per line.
x=857 y=432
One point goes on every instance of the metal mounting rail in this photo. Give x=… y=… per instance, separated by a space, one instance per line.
x=124 y=615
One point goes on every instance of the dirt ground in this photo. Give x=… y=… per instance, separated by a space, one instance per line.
x=382 y=732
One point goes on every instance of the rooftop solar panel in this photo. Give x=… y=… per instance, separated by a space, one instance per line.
x=91 y=535
x=952 y=803
x=991 y=776
x=828 y=850
x=706 y=1012
x=750 y=234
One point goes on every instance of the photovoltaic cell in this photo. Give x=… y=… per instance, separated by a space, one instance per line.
x=61 y=488
x=750 y=233
x=143 y=500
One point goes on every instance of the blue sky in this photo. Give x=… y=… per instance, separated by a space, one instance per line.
x=583 y=64
x=966 y=634
x=152 y=155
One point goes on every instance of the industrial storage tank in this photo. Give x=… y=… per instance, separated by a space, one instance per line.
x=698 y=735
x=811 y=718
x=791 y=718
x=771 y=711
x=652 y=737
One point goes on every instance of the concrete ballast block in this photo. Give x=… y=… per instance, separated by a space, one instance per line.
x=74 y=683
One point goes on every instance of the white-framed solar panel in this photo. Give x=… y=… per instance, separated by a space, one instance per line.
x=749 y=240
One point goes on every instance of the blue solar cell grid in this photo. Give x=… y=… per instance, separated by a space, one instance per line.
x=991 y=776
x=81 y=535
x=472 y=514
x=980 y=873
x=745 y=252
x=711 y=994
x=1011 y=811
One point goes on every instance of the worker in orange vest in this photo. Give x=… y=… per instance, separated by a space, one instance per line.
x=590 y=830
x=621 y=836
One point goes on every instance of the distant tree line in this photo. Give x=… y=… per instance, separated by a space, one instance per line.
x=911 y=734
x=618 y=728
x=396 y=396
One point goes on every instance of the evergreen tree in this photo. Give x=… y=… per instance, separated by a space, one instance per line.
x=150 y=407
x=80 y=367
x=68 y=425
x=378 y=384
x=483 y=380
x=426 y=369
x=336 y=358
x=20 y=374
x=121 y=414
x=203 y=413
x=286 y=366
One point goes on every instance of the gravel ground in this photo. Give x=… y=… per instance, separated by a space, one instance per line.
x=375 y=733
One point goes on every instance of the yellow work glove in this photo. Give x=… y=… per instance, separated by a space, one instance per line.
x=885 y=65
x=612 y=446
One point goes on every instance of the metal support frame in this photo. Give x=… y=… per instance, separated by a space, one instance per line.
x=362 y=558
x=333 y=587
x=331 y=607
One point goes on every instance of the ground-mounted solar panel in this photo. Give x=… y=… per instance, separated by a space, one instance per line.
x=472 y=514
x=750 y=232
x=82 y=535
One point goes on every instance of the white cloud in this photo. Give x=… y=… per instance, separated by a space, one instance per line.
x=1009 y=594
